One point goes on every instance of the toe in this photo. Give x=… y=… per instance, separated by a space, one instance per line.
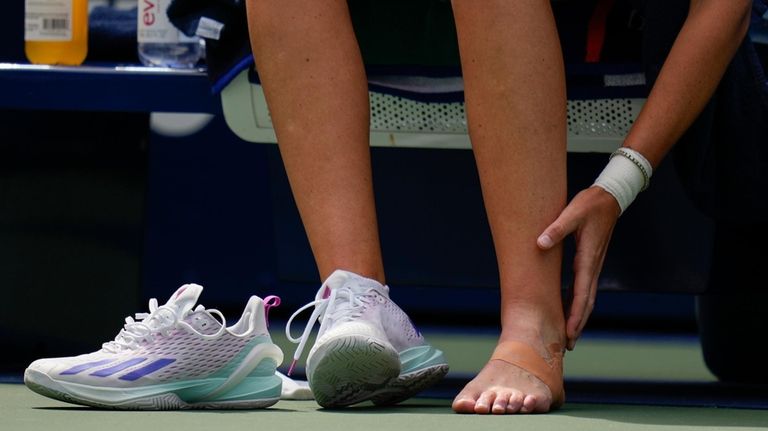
x=515 y=402
x=465 y=402
x=500 y=404
x=529 y=404
x=484 y=403
x=543 y=404
x=463 y=405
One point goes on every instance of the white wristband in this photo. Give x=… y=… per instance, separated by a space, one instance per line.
x=627 y=174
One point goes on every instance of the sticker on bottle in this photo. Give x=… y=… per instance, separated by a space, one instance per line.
x=154 y=25
x=48 y=20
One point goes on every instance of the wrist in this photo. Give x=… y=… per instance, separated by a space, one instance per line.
x=626 y=175
x=605 y=200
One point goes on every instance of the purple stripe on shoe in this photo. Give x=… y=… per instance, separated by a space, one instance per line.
x=86 y=366
x=147 y=369
x=106 y=372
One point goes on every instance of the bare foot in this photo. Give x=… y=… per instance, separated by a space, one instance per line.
x=504 y=388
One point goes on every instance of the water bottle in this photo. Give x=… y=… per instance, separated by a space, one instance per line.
x=160 y=43
x=56 y=31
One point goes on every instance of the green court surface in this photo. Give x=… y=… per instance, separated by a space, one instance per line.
x=638 y=358
x=633 y=359
x=21 y=410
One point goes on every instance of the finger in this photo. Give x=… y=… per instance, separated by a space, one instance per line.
x=567 y=222
x=585 y=316
x=592 y=295
x=581 y=285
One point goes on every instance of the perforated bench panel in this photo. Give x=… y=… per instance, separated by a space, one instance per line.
x=596 y=125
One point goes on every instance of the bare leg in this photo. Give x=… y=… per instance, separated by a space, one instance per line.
x=315 y=85
x=515 y=98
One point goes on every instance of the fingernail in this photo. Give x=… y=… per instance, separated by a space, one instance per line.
x=545 y=241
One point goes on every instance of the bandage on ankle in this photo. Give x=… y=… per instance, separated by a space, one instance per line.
x=626 y=175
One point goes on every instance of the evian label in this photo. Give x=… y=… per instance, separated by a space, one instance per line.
x=48 y=20
x=154 y=26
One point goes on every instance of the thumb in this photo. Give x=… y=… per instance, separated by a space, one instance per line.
x=565 y=224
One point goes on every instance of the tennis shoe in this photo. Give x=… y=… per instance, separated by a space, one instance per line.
x=177 y=356
x=367 y=349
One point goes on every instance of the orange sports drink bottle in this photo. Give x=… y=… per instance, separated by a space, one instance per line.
x=56 y=31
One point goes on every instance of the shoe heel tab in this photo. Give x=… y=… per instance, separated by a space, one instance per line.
x=270 y=302
x=259 y=312
x=254 y=315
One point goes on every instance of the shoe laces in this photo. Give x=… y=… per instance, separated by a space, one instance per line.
x=331 y=305
x=144 y=328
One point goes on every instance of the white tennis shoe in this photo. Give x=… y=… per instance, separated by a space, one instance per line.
x=173 y=357
x=366 y=347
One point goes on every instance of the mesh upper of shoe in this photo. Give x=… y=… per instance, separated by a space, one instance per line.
x=400 y=330
x=196 y=357
x=350 y=304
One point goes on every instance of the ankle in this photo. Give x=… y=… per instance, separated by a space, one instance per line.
x=532 y=325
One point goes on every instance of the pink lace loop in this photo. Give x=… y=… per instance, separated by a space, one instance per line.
x=269 y=302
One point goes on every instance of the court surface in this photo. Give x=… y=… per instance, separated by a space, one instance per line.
x=677 y=393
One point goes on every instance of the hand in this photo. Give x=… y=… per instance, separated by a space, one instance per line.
x=592 y=214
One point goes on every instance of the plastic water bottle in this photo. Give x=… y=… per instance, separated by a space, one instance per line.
x=56 y=31
x=160 y=43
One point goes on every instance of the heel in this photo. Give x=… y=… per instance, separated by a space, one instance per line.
x=251 y=393
x=253 y=384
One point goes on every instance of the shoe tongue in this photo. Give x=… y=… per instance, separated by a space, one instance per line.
x=185 y=298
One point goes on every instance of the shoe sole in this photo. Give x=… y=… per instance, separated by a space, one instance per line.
x=406 y=386
x=43 y=384
x=351 y=369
